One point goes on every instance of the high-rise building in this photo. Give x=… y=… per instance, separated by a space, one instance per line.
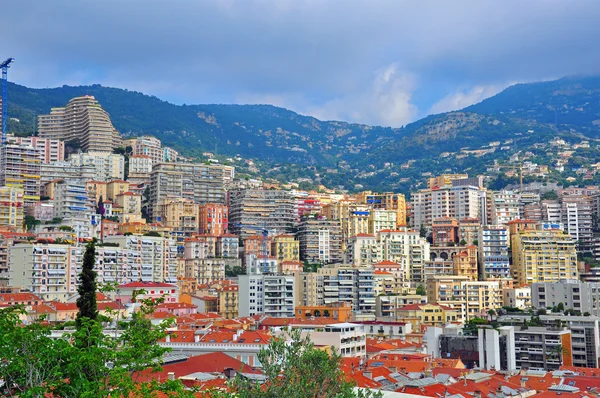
x=109 y=166
x=386 y=201
x=11 y=208
x=272 y=295
x=465 y=263
x=179 y=214
x=407 y=248
x=456 y=202
x=506 y=206
x=202 y=183
x=320 y=240
x=285 y=248
x=152 y=147
x=575 y=295
x=493 y=252
x=272 y=210
x=543 y=256
x=71 y=199
x=213 y=219
x=380 y=220
x=49 y=150
x=83 y=121
x=576 y=214
x=20 y=168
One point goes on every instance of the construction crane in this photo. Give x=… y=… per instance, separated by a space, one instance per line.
x=5 y=65
x=519 y=167
x=264 y=232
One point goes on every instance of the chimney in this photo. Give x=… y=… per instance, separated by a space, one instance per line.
x=229 y=373
x=196 y=338
x=477 y=394
x=168 y=338
x=523 y=382
x=368 y=374
x=392 y=369
x=171 y=375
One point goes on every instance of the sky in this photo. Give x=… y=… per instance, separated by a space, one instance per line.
x=380 y=62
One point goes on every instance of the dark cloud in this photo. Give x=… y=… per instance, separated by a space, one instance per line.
x=385 y=61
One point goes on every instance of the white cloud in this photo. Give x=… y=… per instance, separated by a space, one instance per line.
x=462 y=98
x=385 y=101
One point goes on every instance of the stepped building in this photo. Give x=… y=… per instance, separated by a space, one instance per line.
x=83 y=120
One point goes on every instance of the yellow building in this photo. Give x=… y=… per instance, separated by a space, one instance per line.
x=11 y=208
x=140 y=228
x=180 y=214
x=132 y=206
x=114 y=188
x=285 y=248
x=445 y=179
x=465 y=263
x=227 y=301
x=386 y=201
x=470 y=298
x=96 y=190
x=543 y=256
x=426 y=314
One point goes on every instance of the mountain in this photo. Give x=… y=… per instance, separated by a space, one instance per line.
x=288 y=146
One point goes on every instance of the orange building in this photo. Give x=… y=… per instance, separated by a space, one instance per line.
x=444 y=231
x=108 y=228
x=254 y=245
x=213 y=219
x=340 y=312
x=465 y=263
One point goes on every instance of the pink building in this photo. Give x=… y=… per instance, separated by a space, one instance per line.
x=145 y=290
x=177 y=309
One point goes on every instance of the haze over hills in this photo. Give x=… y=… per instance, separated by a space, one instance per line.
x=340 y=153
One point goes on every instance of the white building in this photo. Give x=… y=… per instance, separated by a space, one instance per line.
x=493 y=245
x=347 y=339
x=109 y=166
x=272 y=295
x=158 y=256
x=573 y=294
x=506 y=207
x=71 y=199
x=517 y=297
x=457 y=202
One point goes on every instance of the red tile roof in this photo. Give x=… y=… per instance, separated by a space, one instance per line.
x=19 y=298
x=145 y=284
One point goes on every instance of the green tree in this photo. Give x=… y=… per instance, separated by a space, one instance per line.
x=86 y=302
x=295 y=369
x=421 y=290
x=152 y=233
x=31 y=222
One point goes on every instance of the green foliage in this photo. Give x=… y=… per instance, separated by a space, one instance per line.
x=295 y=369
x=421 y=290
x=86 y=302
x=550 y=195
x=85 y=363
x=152 y=233
x=65 y=228
x=234 y=271
x=31 y=222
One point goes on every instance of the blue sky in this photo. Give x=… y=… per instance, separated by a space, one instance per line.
x=385 y=62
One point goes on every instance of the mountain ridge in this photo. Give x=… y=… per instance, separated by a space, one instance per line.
x=288 y=145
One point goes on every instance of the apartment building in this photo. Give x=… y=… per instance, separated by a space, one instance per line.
x=227 y=246
x=152 y=147
x=272 y=295
x=207 y=270
x=573 y=294
x=306 y=206
x=387 y=306
x=506 y=206
x=131 y=204
x=445 y=180
x=444 y=231
x=82 y=120
x=228 y=301
x=71 y=199
x=43 y=211
x=140 y=167
x=386 y=201
x=180 y=215
x=108 y=165
x=493 y=252
x=66 y=171
x=319 y=240
x=11 y=208
x=427 y=314
x=576 y=217
x=285 y=248
x=202 y=183
x=465 y=263
x=456 y=202
x=543 y=256
x=405 y=247
x=517 y=297
x=213 y=219
x=363 y=250
x=51 y=270
x=158 y=256
x=48 y=150
x=468 y=230
x=380 y=220
x=471 y=298
x=334 y=284
x=349 y=340
x=20 y=168
x=252 y=209
x=560 y=341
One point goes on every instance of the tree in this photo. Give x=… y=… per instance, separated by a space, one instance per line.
x=560 y=307
x=86 y=302
x=295 y=369
x=421 y=290
x=423 y=231
x=31 y=222
x=152 y=233
x=101 y=209
x=463 y=242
